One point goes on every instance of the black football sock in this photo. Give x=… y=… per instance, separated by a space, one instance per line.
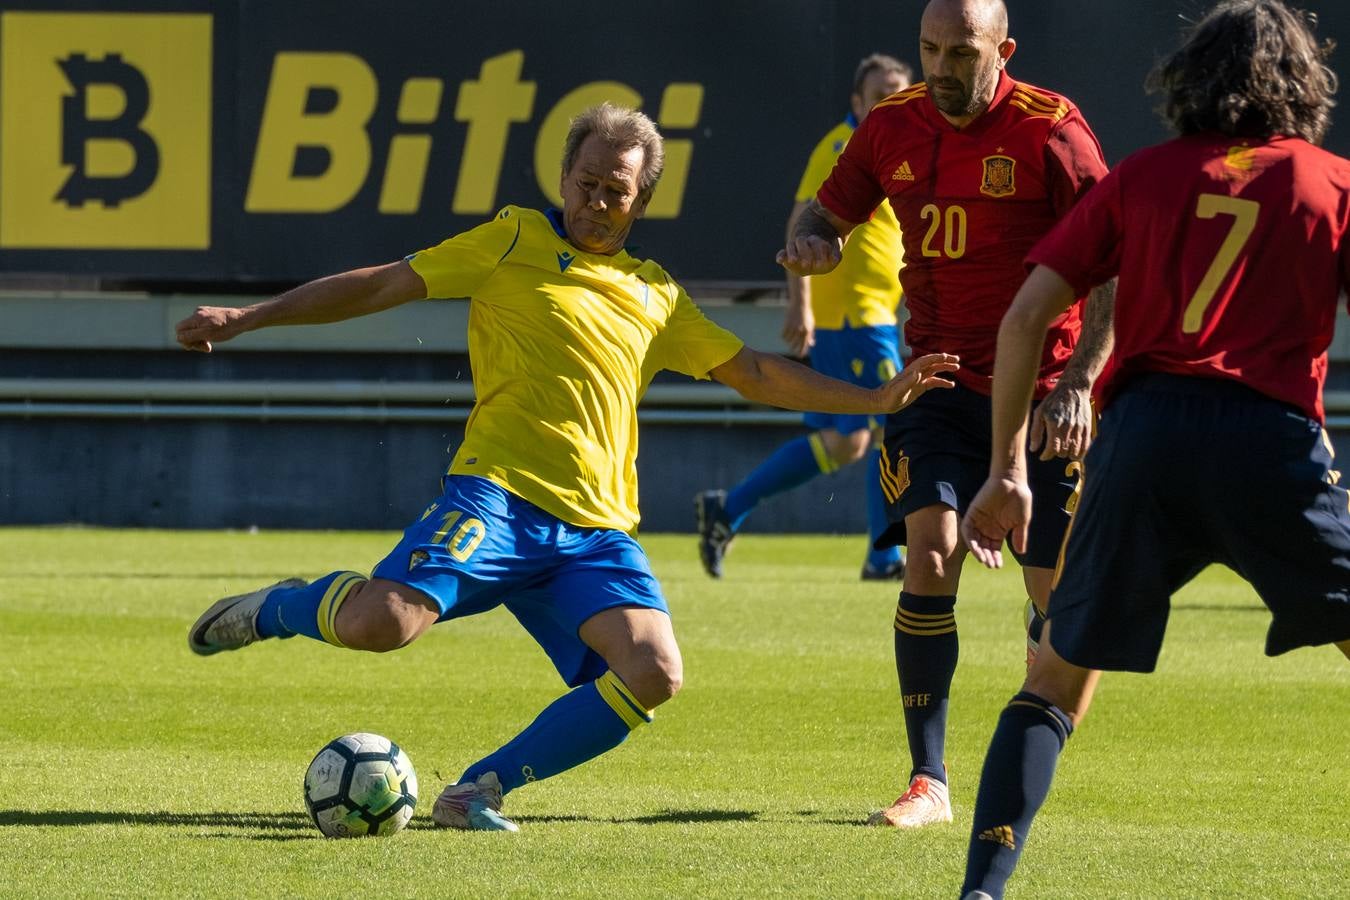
x=1017 y=773
x=925 y=660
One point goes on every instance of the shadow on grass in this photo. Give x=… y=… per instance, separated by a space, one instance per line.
x=291 y=826
x=669 y=817
x=816 y=818
x=76 y=817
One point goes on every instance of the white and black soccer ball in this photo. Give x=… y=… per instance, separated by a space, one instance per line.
x=360 y=784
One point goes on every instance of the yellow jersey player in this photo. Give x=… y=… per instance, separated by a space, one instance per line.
x=846 y=320
x=537 y=509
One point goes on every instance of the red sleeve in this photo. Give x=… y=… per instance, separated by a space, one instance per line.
x=1084 y=246
x=1073 y=162
x=853 y=190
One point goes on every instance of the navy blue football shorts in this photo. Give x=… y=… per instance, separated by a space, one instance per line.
x=479 y=546
x=1186 y=472
x=937 y=452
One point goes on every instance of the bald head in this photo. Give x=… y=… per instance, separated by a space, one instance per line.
x=963 y=45
x=989 y=17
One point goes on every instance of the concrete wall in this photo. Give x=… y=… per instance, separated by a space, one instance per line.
x=102 y=423
x=340 y=475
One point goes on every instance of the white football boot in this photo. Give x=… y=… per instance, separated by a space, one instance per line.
x=233 y=622
x=473 y=806
x=924 y=803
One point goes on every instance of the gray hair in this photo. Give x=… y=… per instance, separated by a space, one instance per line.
x=622 y=129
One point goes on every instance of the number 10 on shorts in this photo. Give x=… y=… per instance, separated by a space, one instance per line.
x=462 y=541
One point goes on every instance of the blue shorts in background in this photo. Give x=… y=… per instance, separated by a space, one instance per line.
x=937 y=452
x=479 y=546
x=868 y=357
x=1186 y=472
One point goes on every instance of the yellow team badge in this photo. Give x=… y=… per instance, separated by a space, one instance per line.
x=894 y=480
x=998 y=176
x=1240 y=158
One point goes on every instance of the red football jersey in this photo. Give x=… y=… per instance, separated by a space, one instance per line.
x=971 y=203
x=1231 y=254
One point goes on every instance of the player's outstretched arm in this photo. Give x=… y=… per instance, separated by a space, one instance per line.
x=330 y=299
x=1062 y=424
x=816 y=242
x=799 y=324
x=772 y=379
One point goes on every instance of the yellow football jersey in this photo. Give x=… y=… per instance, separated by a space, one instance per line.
x=562 y=345
x=864 y=288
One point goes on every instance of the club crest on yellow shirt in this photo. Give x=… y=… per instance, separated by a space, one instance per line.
x=998 y=176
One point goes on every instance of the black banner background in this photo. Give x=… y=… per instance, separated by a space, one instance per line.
x=774 y=73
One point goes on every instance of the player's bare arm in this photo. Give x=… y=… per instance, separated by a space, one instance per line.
x=333 y=298
x=772 y=379
x=799 y=323
x=1003 y=504
x=816 y=243
x=1062 y=423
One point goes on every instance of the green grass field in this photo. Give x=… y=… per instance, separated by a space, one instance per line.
x=134 y=769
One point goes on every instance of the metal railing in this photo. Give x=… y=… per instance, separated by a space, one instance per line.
x=349 y=401
x=370 y=401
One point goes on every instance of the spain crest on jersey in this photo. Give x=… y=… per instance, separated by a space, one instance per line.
x=998 y=176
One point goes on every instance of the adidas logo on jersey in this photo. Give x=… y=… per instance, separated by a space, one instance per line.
x=903 y=173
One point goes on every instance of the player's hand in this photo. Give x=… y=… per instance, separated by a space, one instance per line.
x=1003 y=505
x=207 y=324
x=810 y=255
x=799 y=329
x=1062 y=424
x=918 y=377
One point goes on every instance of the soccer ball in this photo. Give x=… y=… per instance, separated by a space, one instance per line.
x=360 y=784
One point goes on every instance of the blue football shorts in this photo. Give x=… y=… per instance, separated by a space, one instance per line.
x=937 y=452
x=479 y=546
x=868 y=357
x=1187 y=472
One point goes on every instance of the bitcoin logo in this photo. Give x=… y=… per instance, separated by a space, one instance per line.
x=78 y=130
x=105 y=131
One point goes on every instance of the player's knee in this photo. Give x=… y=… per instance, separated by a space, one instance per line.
x=654 y=678
x=845 y=449
x=380 y=617
x=1066 y=687
x=931 y=560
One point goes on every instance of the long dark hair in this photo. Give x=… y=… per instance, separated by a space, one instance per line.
x=1250 y=68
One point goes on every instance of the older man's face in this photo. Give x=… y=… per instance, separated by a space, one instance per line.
x=600 y=196
x=961 y=56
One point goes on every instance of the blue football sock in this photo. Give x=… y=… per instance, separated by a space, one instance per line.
x=1016 y=779
x=794 y=463
x=310 y=610
x=877 y=520
x=578 y=726
x=925 y=659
